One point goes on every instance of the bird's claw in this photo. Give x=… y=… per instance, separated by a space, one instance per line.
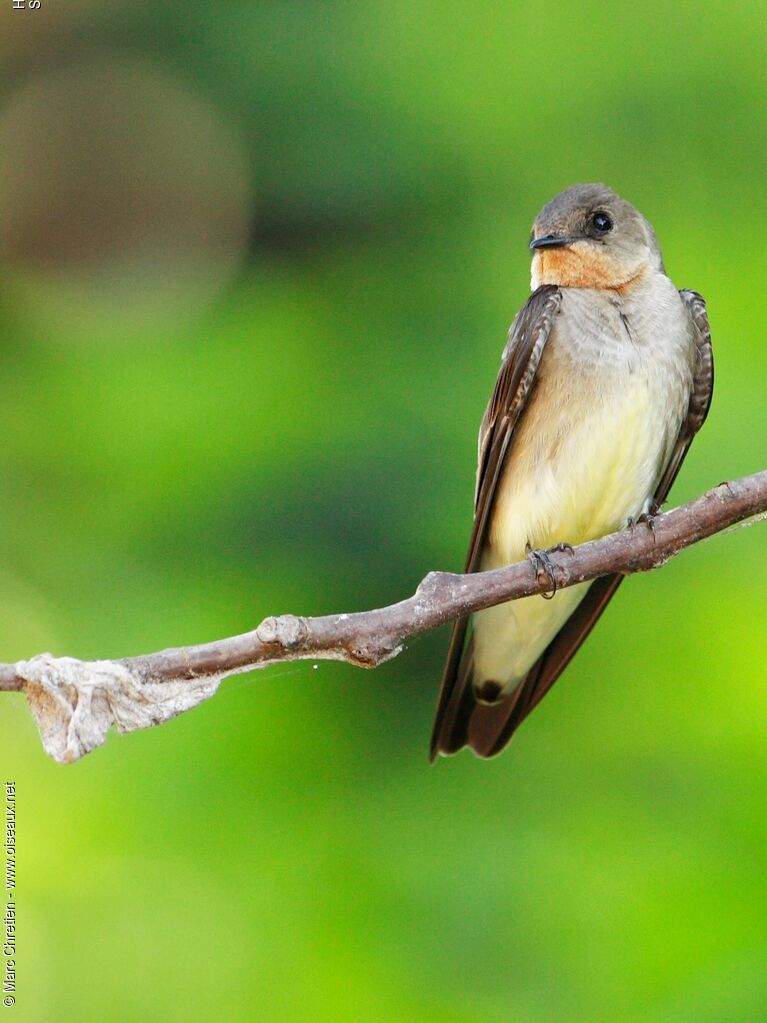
x=543 y=565
x=645 y=519
x=561 y=548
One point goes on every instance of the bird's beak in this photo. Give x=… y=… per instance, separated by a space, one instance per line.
x=550 y=241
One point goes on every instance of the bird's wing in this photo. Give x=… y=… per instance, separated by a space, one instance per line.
x=700 y=397
x=527 y=338
x=489 y=727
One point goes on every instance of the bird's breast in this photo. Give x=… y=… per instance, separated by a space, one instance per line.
x=587 y=454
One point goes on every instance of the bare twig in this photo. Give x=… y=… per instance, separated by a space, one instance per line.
x=364 y=638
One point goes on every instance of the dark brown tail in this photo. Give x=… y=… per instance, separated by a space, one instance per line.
x=462 y=720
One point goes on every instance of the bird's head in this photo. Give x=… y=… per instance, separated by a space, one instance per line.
x=589 y=237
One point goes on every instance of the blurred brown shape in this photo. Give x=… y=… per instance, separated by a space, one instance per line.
x=124 y=194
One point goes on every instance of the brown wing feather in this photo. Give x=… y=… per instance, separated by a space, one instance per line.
x=702 y=390
x=527 y=338
x=487 y=729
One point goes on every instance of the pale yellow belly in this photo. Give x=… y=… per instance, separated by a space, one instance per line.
x=578 y=469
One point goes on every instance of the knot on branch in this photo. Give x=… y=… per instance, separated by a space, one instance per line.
x=372 y=653
x=287 y=631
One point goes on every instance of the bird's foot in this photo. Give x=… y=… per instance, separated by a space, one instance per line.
x=647 y=518
x=543 y=565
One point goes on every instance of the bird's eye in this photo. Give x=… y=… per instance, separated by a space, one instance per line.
x=602 y=222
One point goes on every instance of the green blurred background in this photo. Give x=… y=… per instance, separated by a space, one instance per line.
x=257 y=262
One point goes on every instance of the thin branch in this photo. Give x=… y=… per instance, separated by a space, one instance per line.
x=368 y=638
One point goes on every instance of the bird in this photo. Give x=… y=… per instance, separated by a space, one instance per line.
x=605 y=380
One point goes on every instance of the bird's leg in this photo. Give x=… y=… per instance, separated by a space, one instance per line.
x=543 y=565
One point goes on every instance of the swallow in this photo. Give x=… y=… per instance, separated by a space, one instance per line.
x=605 y=380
